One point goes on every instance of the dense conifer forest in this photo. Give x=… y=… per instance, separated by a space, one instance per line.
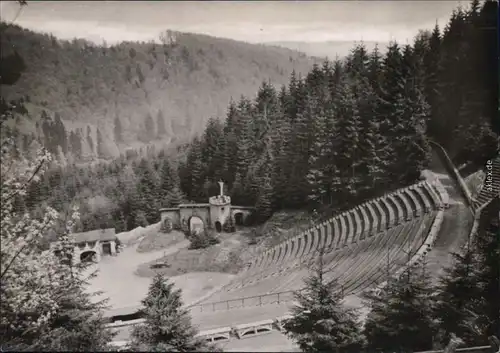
x=102 y=99
x=348 y=130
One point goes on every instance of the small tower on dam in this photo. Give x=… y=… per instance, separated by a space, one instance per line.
x=220 y=208
x=214 y=214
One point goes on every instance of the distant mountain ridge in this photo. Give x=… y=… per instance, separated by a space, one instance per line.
x=330 y=49
x=158 y=93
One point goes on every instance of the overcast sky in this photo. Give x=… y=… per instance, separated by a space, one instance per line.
x=252 y=21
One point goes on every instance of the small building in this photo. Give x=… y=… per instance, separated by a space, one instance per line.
x=92 y=245
x=213 y=215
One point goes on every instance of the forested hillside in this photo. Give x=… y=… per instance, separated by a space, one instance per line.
x=347 y=131
x=359 y=127
x=105 y=99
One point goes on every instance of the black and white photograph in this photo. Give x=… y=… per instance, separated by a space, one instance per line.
x=250 y=176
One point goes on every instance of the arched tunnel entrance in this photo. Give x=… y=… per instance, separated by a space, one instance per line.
x=238 y=219
x=195 y=225
x=88 y=256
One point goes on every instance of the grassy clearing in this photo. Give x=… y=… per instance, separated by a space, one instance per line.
x=233 y=251
x=222 y=257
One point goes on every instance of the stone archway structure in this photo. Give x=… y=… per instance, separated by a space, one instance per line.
x=88 y=256
x=195 y=224
x=100 y=242
x=218 y=209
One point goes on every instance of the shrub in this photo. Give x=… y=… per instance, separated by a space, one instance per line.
x=202 y=240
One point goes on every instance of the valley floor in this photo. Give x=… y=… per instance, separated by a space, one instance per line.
x=117 y=281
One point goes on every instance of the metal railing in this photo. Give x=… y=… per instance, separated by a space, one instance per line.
x=245 y=302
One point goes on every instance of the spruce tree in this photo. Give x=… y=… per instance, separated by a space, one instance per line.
x=371 y=161
x=118 y=131
x=266 y=108
x=139 y=219
x=60 y=133
x=432 y=64
x=488 y=249
x=90 y=141
x=160 y=123
x=75 y=143
x=101 y=148
x=392 y=109
x=140 y=75
x=379 y=151
x=121 y=223
x=149 y=128
x=291 y=102
x=415 y=149
x=47 y=131
x=230 y=143
x=401 y=316
x=264 y=204
x=357 y=61
x=253 y=182
x=237 y=191
x=147 y=189
x=469 y=305
x=316 y=177
x=301 y=141
x=347 y=150
x=374 y=69
x=168 y=180
x=245 y=137
x=321 y=322
x=212 y=136
x=79 y=325
x=174 y=197
x=167 y=326
x=282 y=167
x=452 y=87
x=459 y=295
x=197 y=171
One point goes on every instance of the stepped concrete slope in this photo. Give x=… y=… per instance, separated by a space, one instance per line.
x=362 y=246
x=346 y=238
